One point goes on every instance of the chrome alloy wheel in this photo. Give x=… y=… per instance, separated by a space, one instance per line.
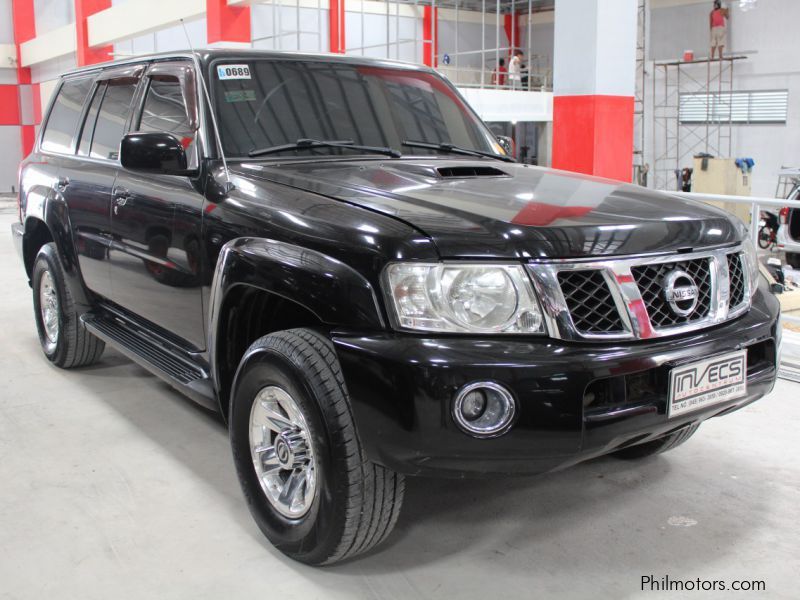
x=282 y=453
x=48 y=306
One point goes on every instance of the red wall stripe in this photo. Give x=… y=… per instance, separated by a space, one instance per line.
x=593 y=134
x=430 y=36
x=87 y=55
x=36 y=94
x=24 y=19
x=511 y=25
x=336 y=19
x=227 y=23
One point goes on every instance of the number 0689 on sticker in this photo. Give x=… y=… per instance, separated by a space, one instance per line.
x=233 y=72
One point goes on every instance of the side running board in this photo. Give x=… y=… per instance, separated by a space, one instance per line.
x=162 y=359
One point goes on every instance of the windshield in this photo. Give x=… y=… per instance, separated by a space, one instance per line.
x=262 y=103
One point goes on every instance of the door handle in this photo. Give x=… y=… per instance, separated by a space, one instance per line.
x=122 y=197
x=62 y=183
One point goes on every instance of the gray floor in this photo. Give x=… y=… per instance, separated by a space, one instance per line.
x=113 y=486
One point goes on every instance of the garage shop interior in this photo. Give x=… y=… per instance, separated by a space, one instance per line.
x=431 y=299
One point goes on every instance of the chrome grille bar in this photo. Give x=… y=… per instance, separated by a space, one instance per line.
x=632 y=308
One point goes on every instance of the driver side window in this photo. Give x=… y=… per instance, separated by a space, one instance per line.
x=165 y=110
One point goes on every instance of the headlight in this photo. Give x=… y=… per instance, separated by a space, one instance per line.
x=751 y=263
x=471 y=298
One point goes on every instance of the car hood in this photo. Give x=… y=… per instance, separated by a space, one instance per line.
x=511 y=210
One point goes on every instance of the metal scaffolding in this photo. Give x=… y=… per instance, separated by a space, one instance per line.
x=639 y=169
x=674 y=141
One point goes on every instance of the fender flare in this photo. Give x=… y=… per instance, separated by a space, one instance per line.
x=336 y=293
x=52 y=210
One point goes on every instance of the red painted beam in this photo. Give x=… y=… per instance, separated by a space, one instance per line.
x=86 y=55
x=593 y=134
x=430 y=36
x=336 y=20
x=24 y=30
x=227 y=23
x=511 y=25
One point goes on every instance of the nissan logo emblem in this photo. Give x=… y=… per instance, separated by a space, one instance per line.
x=681 y=293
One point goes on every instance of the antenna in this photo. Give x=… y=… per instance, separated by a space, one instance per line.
x=229 y=185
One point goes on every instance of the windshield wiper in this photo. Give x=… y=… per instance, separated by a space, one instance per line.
x=305 y=144
x=450 y=148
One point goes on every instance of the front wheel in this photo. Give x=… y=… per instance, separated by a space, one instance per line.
x=308 y=484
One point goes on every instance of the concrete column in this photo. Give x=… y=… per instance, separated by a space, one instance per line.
x=228 y=25
x=336 y=40
x=85 y=54
x=17 y=107
x=430 y=35
x=594 y=80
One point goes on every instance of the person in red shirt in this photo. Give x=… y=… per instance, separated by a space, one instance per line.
x=718 y=28
x=499 y=74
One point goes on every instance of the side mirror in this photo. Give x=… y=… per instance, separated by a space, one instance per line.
x=153 y=152
x=507 y=144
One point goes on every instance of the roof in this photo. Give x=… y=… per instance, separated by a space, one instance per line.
x=207 y=55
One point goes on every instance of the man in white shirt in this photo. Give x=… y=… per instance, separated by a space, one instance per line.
x=515 y=70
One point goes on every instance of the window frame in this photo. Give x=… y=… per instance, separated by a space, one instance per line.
x=81 y=115
x=184 y=70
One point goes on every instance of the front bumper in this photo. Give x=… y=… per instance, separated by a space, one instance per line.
x=402 y=388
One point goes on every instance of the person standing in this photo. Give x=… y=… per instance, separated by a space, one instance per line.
x=499 y=74
x=718 y=27
x=515 y=70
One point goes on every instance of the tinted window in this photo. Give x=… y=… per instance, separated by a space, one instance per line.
x=274 y=102
x=63 y=120
x=91 y=119
x=165 y=110
x=115 y=109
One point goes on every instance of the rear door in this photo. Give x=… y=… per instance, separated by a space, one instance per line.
x=156 y=219
x=88 y=177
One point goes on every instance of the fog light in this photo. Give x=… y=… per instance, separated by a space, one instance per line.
x=484 y=409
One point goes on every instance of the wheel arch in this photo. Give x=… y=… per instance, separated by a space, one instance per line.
x=261 y=286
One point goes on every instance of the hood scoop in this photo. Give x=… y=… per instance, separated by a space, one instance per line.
x=464 y=172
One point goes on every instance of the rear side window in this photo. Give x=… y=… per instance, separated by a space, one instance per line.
x=115 y=108
x=63 y=120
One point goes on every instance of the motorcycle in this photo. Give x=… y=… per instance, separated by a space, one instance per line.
x=767 y=230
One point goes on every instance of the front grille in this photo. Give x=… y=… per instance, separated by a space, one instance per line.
x=736 y=274
x=590 y=302
x=650 y=279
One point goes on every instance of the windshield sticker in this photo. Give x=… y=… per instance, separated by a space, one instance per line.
x=233 y=72
x=240 y=96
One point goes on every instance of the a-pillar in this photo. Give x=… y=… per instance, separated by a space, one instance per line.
x=86 y=54
x=227 y=25
x=336 y=40
x=594 y=78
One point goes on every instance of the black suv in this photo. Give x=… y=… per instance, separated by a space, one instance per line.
x=337 y=255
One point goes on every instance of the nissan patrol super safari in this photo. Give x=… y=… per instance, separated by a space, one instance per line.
x=337 y=255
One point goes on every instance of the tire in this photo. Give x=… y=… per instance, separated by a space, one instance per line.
x=65 y=341
x=355 y=503
x=764 y=238
x=668 y=442
x=793 y=258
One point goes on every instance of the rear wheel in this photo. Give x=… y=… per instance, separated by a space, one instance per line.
x=765 y=238
x=309 y=486
x=65 y=341
x=668 y=442
x=793 y=258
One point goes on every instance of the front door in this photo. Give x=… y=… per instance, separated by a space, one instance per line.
x=156 y=219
